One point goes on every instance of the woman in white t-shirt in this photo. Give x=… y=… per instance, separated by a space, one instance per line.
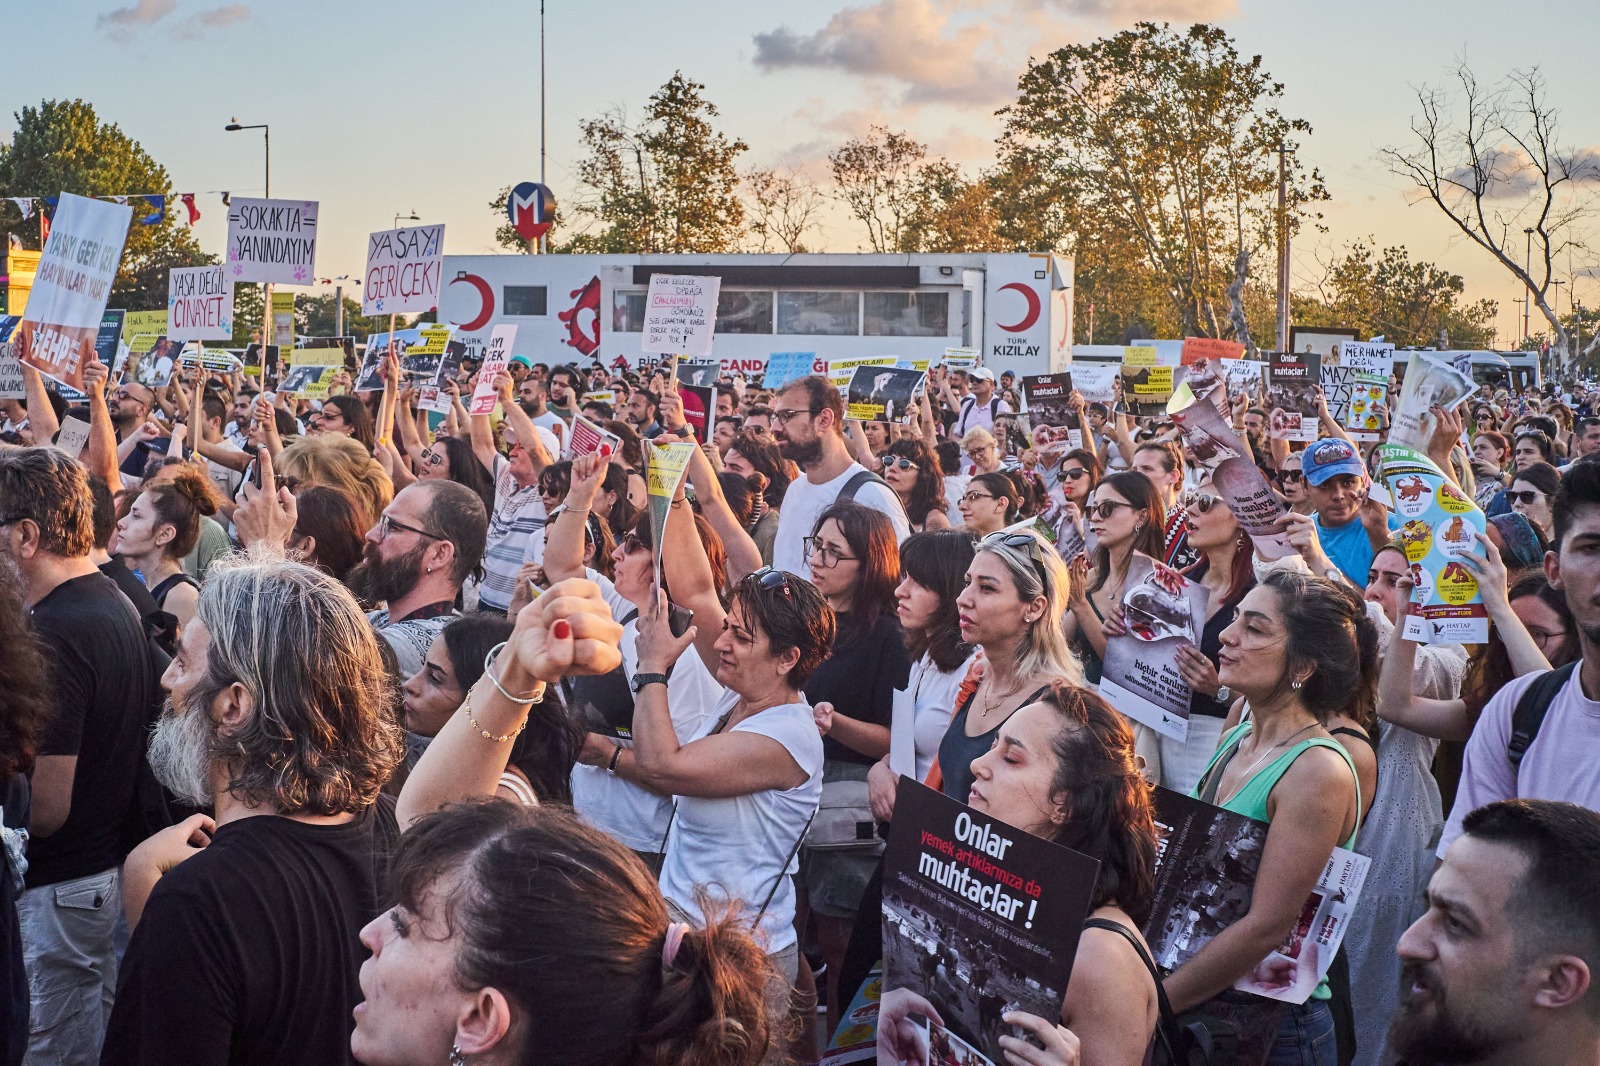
x=748 y=785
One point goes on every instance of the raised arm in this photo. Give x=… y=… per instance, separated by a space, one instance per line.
x=689 y=576
x=743 y=555
x=42 y=420
x=522 y=425
x=100 y=453
x=563 y=536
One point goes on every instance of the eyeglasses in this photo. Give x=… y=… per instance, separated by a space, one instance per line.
x=1105 y=508
x=1288 y=477
x=1201 y=501
x=974 y=497
x=1526 y=497
x=767 y=579
x=899 y=461
x=1074 y=473
x=1021 y=542
x=1542 y=637
x=827 y=555
x=982 y=449
x=782 y=415
x=387 y=525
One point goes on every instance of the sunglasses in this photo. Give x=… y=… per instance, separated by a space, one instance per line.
x=1020 y=542
x=1106 y=508
x=768 y=579
x=1526 y=497
x=1201 y=501
x=1288 y=477
x=1075 y=473
x=631 y=543
x=898 y=461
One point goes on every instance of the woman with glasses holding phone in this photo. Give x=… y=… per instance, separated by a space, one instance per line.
x=912 y=469
x=1125 y=517
x=990 y=503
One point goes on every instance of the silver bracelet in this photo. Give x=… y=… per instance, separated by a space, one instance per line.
x=488 y=661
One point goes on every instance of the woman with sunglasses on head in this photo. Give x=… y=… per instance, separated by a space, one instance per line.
x=912 y=470
x=990 y=503
x=1532 y=446
x=1125 y=517
x=1296 y=655
x=1531 y=493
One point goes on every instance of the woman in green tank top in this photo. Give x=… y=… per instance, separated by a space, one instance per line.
x=1294 y=653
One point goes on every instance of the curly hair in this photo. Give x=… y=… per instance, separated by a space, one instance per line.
x=569 y=925
x=927 y=493
x=322 y=739
x=764 y=456
x=1108 y=802
x=24 y=694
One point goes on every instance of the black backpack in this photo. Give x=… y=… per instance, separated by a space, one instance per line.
x=1186 y=1040
x=860 y=478
x=1531 y=710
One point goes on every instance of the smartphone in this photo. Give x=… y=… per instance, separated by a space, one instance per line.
x=255 y=471
x=678 y=619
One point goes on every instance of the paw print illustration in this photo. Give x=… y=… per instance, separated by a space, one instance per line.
x=237 y=270
x=300 y=274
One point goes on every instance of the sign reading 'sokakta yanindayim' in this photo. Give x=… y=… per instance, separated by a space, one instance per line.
x=199 y=304
x=273 y=241
x=403 y=270
x=79 y=263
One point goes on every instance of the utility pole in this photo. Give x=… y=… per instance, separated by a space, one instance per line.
x=1283 y=248
x=543 y=237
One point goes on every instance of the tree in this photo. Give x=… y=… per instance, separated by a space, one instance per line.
x=876 y=178
x=781 y=208
x=949 y=213
x=667 y=184
x=1413 y=304
x=61 y=146
x=1169 y=140
x=1491 y=160
x=314 y=317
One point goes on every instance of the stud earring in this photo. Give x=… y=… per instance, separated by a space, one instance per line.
x=1296 y=685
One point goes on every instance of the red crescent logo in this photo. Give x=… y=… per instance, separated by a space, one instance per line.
x=486 y=303
x=1033 y=308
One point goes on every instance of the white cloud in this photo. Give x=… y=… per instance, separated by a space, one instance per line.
x=216 y=18
x=1511 y=175
x=125 y=22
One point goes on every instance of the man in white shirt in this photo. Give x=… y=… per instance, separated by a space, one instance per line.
x=808 y=423
x=978 y=411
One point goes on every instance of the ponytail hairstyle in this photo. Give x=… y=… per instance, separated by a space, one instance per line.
x=570 y=926
x=1329 y=630
x=1109 y=814
x=180 y=503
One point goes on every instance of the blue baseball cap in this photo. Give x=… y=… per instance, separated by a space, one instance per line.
x=1330 y=457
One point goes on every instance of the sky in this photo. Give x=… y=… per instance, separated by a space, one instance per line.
x=380 y=109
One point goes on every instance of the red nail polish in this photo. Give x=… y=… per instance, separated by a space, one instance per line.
x=561 y=630
x=605 y=450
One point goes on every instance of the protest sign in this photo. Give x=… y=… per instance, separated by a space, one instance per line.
x=1146 y=385
x=959 y=358
x=1438 y=524
x=156 y=361
x=283 y=319
x=73 y=436
x=261 y=362
x=1244 y=488
x=1243 y=378
x=1341 y=378
x=855 y=1039
x=1164 y=612
x=1429 y=380
x=273 y=241
x=403 y=270
x=1292 y=380
x=978 y=917
x=422 y=351
x=76 y=271
x=1202 y=359
x=1362 y=406
x=784 y=367
x=211 y=360
x=882 y=393
x=135 y=323
x=702 y=374
x=1051 y=421
x=1207 y=860
x=495 y=358
x=840 y=371
x=1096 y=382
x=588 y=438
x=199 y=304
x=680 y=315
x=665 y=465
x=108 y=342
x=699 y=409
x=12 y=387
x=314 y=365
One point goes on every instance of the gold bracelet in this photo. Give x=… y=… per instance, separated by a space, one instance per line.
x=485 y=734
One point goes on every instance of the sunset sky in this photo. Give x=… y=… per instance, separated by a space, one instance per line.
x=382 y=108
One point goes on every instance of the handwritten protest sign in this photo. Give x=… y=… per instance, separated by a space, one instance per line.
x=784 y=367
x=272 y=240
x=1348 y=376
x=12 y=387
x=403 y=270
x=137 y=323
x=73 y=436
x=495 y=358
x=680 y=315
x=70 y=290
x=665 y=466
x=199 y=304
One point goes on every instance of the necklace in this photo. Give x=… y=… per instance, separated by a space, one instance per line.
x=1245 y=780
x=991 y=701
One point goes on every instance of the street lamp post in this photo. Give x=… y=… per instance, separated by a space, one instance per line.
x=233 y=126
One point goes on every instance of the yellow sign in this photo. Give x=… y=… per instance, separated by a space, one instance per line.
x=20 y=269
x=136 y=323
x=1133 y=356
x=283 y=320
x=841 y=370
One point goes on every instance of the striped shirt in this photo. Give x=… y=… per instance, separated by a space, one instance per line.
x=518 y=514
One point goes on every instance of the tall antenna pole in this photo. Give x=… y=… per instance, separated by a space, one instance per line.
x=543 y=238
x=1283 y=248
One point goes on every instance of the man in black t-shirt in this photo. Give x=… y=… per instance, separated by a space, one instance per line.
x=101 y=688
x=246 y=948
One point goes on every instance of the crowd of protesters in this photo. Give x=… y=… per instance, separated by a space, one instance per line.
x=347 y=731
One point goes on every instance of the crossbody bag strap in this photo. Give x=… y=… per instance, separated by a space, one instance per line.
x=1167 y=1022
x=783 y=871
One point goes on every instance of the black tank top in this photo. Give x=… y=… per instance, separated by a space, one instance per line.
x=957 y=750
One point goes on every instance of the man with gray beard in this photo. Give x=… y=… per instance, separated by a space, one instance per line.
x=245 y=944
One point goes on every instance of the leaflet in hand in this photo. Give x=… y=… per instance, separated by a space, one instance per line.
x=1164 y=612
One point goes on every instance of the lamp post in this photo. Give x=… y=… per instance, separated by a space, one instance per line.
x=267 y=334
x=412 y=217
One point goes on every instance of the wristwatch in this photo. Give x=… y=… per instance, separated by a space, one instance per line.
x=641 y=680
x=1224 y=694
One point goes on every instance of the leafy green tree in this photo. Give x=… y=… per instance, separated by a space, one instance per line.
x=1166 y=141
x=1411 y=303
x=666 y=184
x=314 y=317
x=876 y=178
x=62 y=146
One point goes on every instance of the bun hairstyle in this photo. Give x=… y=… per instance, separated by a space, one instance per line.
x=180 y=503
x=1329 y=630
x=570 y=926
